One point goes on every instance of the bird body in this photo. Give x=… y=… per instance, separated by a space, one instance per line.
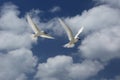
x=36 y=30
x=72 y=39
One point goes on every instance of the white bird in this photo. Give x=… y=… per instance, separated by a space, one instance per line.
x=72 y=39
x=36 y=30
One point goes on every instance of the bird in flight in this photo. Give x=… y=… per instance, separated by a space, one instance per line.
x=36 y=30
x=72 y=39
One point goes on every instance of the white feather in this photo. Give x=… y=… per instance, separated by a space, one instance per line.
x=80 y=30
x=67 y=29
x=37 y=31
x=32 y=24
x=71 y=38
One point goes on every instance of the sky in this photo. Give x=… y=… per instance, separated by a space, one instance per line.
x=95 y=57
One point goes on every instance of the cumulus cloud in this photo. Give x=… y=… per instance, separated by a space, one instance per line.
x=104 y=23
x=16 y=58
x=106 y=45
x=54 y=27
x=112 y=3
x=55 y=9
x=101 y=32
x=101 y=42
x=63 y=68
x=10 y=21
x=95 y=19
x=115 y=78
x=15 y=64
x=8 y=39
x=13 y=29
x=22 y=77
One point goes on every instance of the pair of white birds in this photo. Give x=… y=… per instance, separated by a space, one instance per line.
x=72 y=39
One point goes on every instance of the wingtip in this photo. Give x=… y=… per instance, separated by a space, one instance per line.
x=52 y=37
x=82 y=27
x=28 y=16
x=60 y=20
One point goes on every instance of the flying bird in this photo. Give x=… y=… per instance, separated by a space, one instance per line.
x=36 y=30
x=72 y=39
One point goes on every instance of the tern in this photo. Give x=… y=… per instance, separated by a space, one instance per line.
x=36 y=30
x=72 y=39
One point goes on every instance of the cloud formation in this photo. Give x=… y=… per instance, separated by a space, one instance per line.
x=112 y=3
x=101 y=30
x=15 y=64
x=101 y=42
x=16 y=58
x=63 y=68
x=115 y=78
x=10 y=21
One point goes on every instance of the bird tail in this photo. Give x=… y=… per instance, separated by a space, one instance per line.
x=34 y=38
x=68 y=45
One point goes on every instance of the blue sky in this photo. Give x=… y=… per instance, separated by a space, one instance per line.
x=95 y=57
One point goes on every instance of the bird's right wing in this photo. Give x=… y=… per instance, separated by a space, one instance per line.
x=32 y=24
x=67 y=29
x=81 y=29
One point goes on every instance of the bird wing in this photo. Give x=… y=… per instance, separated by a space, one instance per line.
x=32 y=24
x=67 y=29
x=80 y=30
x=47 y=36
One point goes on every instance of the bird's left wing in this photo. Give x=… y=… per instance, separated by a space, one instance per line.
x=32 y=24
x=80 y=30
x=67 y=29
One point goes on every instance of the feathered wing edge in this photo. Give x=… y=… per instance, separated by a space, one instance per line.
x=80 y=30
x=67 y=29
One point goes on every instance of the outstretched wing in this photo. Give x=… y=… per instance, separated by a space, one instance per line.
x=47 y=36
x=32 y=24
x=80 y=30
x=67 y=29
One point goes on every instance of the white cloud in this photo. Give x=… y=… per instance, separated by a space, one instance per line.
x=10 y=40
x=13 y=29
x=15 y=64
x=103 y=42
x=112 y=3
x=54 y=27
x=10 y=21
x=115 y=78
x=95 y=19
x=101 y=32
x=103 y=45
x=22 y=77
x=63 y=68
x=55 y=9
x=16 y=58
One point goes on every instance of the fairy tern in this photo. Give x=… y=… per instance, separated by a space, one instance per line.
x=36 y=30
x=72 y=39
